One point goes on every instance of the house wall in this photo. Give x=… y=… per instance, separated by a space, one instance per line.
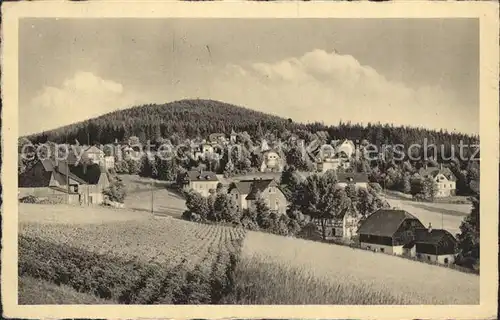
x=239 y=198
x=436 y=258
x=203 y=187
x=445 y=187
x=275 y=199
x=381 y=248
x=357 y=184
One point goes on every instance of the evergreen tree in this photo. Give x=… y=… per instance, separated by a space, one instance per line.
x=468 y=238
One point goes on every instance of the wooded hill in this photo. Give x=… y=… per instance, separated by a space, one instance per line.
x=199 y=118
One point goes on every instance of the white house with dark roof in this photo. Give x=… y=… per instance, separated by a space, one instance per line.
x=444 y=178
x=200 y=181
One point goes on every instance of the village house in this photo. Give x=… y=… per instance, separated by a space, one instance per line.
x=200 y=181
x=444 y=178
x=203 y=151
x=245 y=192
x=344 y=148
x=344 y=226
x=359 y=179
x=89 y=154
x=271 y=161
x=388 y=231
x=435 y=245
x=326 y=164
x=50 y=180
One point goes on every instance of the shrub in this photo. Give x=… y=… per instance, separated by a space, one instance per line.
x=29 y=199
x=116 y=190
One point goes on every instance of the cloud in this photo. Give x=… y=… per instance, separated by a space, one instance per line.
x=323 y=86
x=83 y=96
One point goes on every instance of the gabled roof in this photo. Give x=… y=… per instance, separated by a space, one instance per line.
x=352 y=177
x=384 y=222
x=195 y=175
x=259 y=186
x=432 y=237
x=434 y=171
x=243 y=186
x=90 y=175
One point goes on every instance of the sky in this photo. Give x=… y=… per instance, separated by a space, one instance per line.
x=416 y=72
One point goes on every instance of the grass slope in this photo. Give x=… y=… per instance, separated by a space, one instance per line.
x=34 y=291
x=291 y=268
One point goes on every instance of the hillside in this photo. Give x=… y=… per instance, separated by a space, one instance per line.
x=196 y=117
x=186 y=118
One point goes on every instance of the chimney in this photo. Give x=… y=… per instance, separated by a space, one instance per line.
x=430 y=228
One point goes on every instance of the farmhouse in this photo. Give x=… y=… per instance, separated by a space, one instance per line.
x=200 y=181
x=50 y=180
x=444 y=178
x=388 y=230
x=359 y=179
x=434 y=245
x=245 y=192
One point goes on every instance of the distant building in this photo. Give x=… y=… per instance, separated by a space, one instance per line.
x=435 y=245
x=444 y=178
x=109 y=162
x=388 y=231
x=359 y=179
x=216 y=138
x=200 y=181
x=332 y=164
x=245 y=192
x=88 y=154
x=203 y=151
x=233 y=136
x=271 y=161
x=344 y=148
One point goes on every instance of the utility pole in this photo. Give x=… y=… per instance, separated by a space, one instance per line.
x=152 y=195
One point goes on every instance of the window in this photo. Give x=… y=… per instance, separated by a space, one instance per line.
x=446 y=260
x=382 y=249
x=429 y=258
x=236 y=195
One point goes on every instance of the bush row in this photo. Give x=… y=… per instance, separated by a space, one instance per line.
x=127 y=282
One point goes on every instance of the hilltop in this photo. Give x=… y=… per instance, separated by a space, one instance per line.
x=192 y=118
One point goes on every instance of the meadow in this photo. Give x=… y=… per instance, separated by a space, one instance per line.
x=355 y=275
x=440 y=215
x=100 y=256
